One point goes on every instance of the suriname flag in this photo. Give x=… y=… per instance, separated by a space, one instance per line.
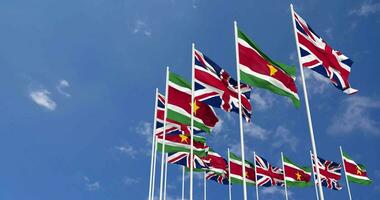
x=236 y=170
x=179 y=105
x=182 y=143
x=295 y=175
x=258 y=70
x=356 y=173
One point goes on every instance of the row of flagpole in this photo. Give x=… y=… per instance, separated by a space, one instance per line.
x=162 y=191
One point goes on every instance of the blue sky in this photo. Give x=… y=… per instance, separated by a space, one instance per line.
x=78 y=80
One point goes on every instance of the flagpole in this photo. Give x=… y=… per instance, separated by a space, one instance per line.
x=152 y=160
x=154 y=167
x=204 y=186
x=240 y=112
x=314 y=148
x=183 y=182
x=256 y=185
x=192 y=121
x=166 y=174
x=163 y=136
x=345 y=173
x=283 y=167
x=229 y=176
x=315 y=183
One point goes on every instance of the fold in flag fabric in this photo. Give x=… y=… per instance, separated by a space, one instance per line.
x=181 y=143
x=183 y=158
x=215 y=162
x=179 y=105
x=267 y=175
x=356 y=173
x=236 y=171
x=329 y=172
x=258 y=70
x=171 y=125
x=317 y=55
x=215 y=87
x=219 y=178
x=295 y=175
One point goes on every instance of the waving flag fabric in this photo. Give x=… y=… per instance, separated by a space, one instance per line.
x=317 y=55
x=215 y=87
x=267 y=175
x=179 y=105
x=183 y=158
x=237 y=171
x=329 y=172
x=356 y=173
x=215 y=162
x=258 y=70
x=295 y=175
x=171 y=125
x=181 y=143
x=217 y=177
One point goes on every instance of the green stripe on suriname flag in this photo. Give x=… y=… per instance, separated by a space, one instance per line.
x=236 y=170
x=179 y=105
x=182 y=143
x=258 y=70
x=356 y=173
x=295 y=175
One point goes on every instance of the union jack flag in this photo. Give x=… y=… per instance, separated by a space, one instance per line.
x=317 y=55
x=267 y=175
x=329 y=172
x=215 y=87
x=172 y=126
x=183 y=158
x=217 y=177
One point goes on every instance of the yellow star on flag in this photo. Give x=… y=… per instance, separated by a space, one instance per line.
x=246 y=175
x=298 y=176
x=358 y=171
x=183 y=138
x=195 y=107
x=272 y=70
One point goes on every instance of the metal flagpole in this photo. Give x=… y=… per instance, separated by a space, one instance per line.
x=314 y=148
x=192 y=122
x=240 y=112
x=183 y=182
x=152 y=161
x=283 y=168
x=154 y=167
x=229 y=176
x=166 y=175
x=204 y=186
x=256 y=185
x=345 y=173
x=315 y=183
x=163 y=136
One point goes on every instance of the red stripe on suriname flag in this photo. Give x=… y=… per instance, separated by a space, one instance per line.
x=258 y=64
x=354 y=169
x=296 y=174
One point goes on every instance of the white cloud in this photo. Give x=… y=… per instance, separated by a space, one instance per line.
x=255 y=131
x=367 y=8
x=141 y=27
x=316 y=83
x=41 y=98
x=262 y=100
x=61 y=86
x=145 y=129
x=218 y=127
x=127 y=149
x=355 y=114
x=130 y=181
x=91 y=186
x=328 y=33
x=274 y=191
x=283 y=137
